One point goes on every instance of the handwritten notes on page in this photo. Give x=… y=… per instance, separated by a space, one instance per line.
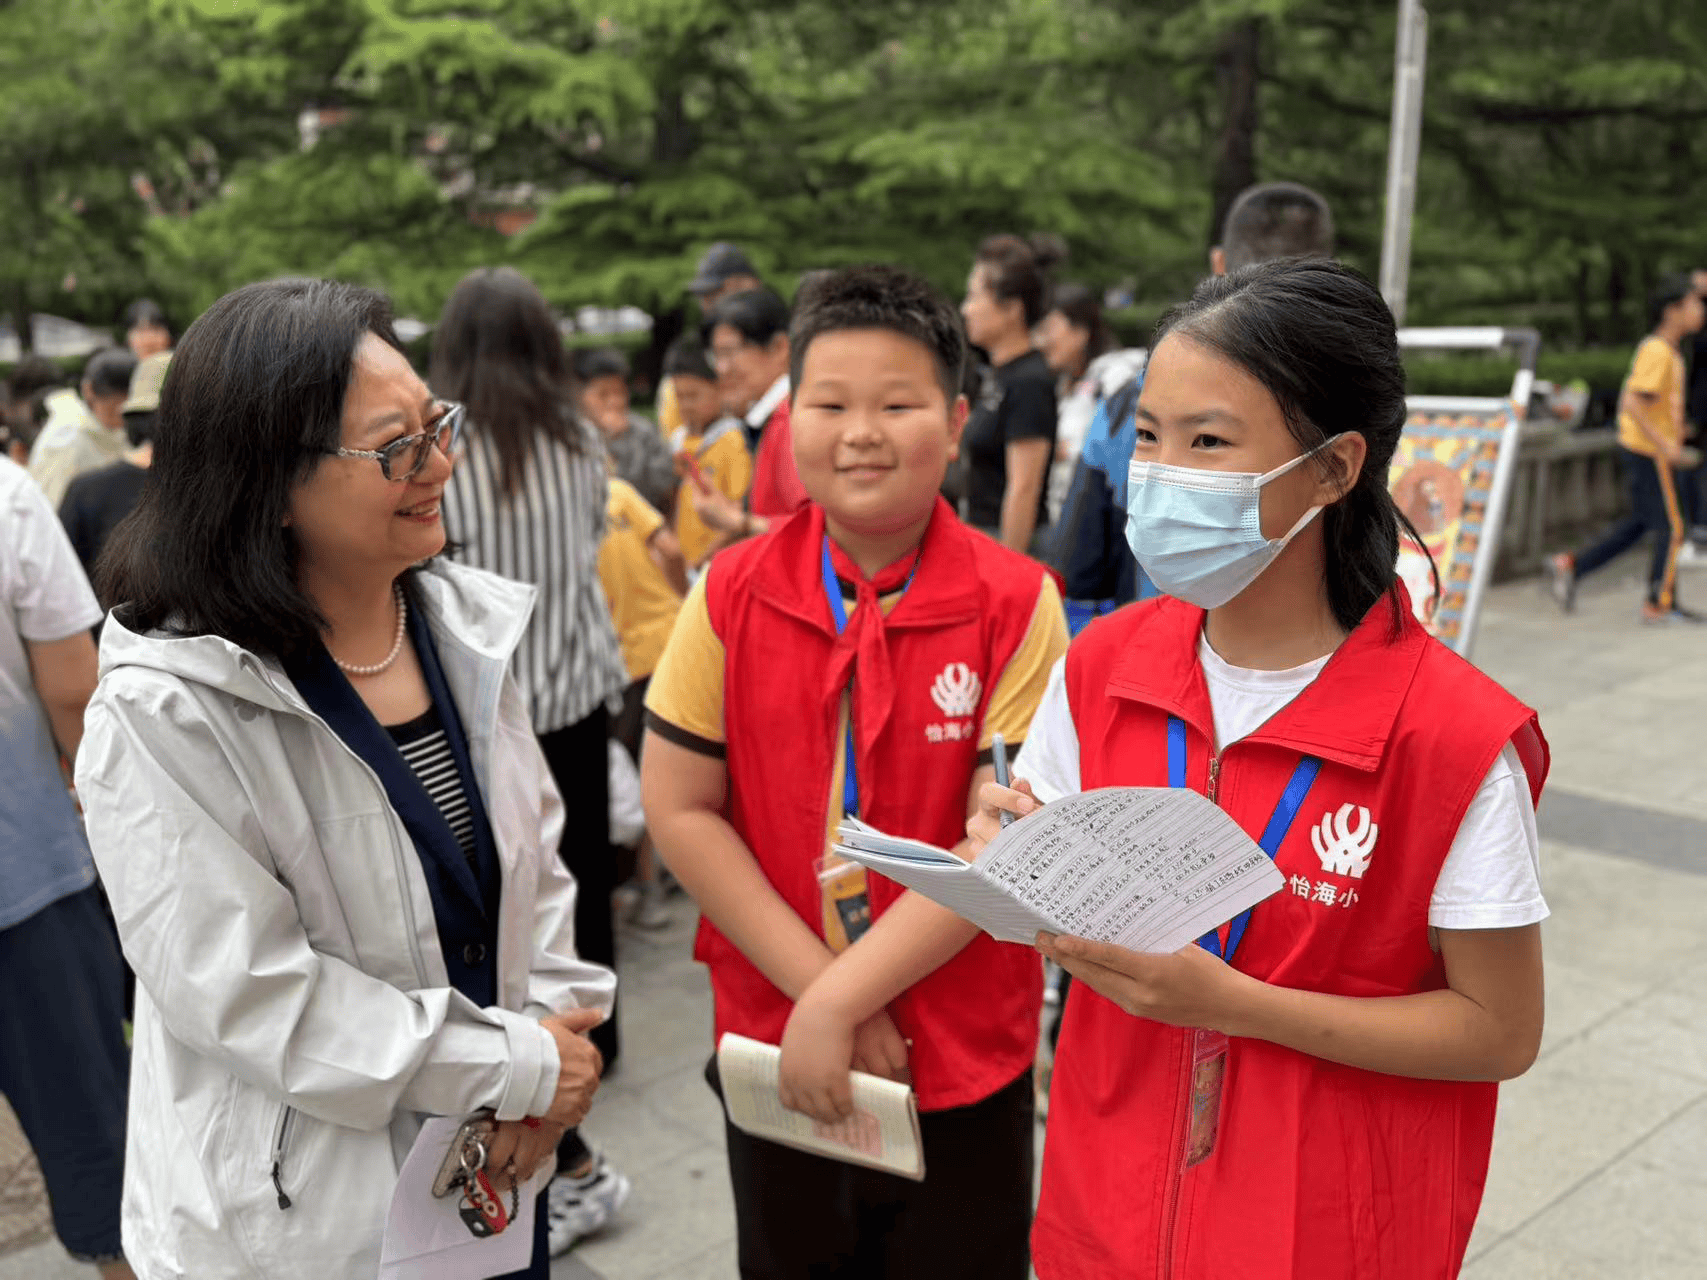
x=882 y=1133
x=1145 y=868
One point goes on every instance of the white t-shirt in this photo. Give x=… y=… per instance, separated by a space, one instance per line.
x=1491 y=878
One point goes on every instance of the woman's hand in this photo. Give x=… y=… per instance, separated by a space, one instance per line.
x=820 y=1046
x=579 y=1065
x=1190 y=988
x=517 y=1150
x=993 y=800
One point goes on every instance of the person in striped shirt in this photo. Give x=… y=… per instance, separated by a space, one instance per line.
x=527 y=500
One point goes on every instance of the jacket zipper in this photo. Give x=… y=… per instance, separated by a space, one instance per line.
x=1182 y=1108
x=281 y=1148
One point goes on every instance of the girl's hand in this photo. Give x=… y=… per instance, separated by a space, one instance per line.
x=821 y=1046
x=1190 y=988
x=994 y=799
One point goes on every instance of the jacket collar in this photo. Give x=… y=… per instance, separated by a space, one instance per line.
x=1345 y=715
x=766 y=404
x=789 y=574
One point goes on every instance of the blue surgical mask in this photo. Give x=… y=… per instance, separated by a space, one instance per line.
x=1198 y=534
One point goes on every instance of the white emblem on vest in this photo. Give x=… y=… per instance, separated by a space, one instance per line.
x=956 y=690
x=1343 y=848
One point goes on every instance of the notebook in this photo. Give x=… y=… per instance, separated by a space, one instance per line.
x=1145 y=868
x=882 y=1133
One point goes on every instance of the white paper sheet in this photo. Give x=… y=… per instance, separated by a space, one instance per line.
x=883 y=1132
x=1145 y=868
x=426 y=1239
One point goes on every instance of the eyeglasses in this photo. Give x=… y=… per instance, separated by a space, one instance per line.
x=406 y=455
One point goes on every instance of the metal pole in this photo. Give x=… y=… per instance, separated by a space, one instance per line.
x=1403 y=145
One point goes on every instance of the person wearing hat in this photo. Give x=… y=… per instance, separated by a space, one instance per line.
x=724 y=269
x=97 y=500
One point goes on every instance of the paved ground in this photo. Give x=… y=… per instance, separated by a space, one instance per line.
x=1600 y=1163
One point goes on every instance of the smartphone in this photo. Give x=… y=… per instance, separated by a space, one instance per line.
x=691 y=463
x=474 y=1138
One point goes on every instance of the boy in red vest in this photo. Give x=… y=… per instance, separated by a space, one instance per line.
x=858 y=659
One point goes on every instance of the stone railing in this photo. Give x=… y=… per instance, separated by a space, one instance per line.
x=1569 y=484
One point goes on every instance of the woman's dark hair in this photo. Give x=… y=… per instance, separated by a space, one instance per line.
x=255 y=399
x=600 y=362
x=1320 y=338
x=1666 y=294
x=34 y=373
x=108 y=371
x=1083 y=310
x=1019 y=269
x=686 y=358
x=498 y=351
x=880 y=298
x=758 y=315
x=146 y=313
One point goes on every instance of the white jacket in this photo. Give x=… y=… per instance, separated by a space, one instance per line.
x=294 y=1019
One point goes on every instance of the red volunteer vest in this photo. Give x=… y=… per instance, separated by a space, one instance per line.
x=776 y=490
x=1319 y=1170
x=973 y=1022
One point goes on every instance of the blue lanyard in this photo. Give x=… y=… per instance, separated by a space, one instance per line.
x=833 y=591
x=1273 y=835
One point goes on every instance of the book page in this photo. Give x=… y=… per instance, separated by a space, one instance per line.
x=1146 y=868
x=882 y=1133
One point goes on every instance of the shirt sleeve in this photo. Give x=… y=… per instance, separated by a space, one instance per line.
x=684 y=702
x=1652 y=369
x=643 y=517
x=1491 y=878
x=1050 y=758
x=1021 y=685
x=1028 y=411
x=50 y=597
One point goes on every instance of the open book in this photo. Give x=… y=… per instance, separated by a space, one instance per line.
x=882 y=1133
x=1145 y=868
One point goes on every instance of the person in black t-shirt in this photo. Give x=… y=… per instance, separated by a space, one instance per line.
x=1010 y=437
x=96 y=501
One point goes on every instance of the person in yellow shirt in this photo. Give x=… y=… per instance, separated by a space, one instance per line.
x=710 y=448
x=1650 y=445
x=644 y=578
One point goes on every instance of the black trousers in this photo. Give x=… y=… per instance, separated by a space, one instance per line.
x=802 y=1217
x=578 y=759
x=1656 y=511
x=64 y=1066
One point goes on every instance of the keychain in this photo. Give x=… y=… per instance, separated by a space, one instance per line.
x=1208 y=1071
x=480 y=1206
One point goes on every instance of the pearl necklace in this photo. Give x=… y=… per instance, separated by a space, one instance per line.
x=350 y=669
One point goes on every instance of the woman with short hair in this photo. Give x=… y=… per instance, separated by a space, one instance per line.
x=318 y=808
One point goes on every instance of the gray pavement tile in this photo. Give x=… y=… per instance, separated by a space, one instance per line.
x=1623 y=921
x=718 y=1263
x=45 y=1261
x=1578 y=998
x=685 y=1098
x=1634 y=1220
x=1669 y=840
x=569 y=1267
x=1521 y=1259
x=676 y=1213
x=635 y=1134
x=666 y=1031
x=1575 y=1112
x=1665 y=1028
x=1678 y=1149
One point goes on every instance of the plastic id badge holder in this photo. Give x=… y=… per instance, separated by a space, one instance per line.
x=1208 y=1074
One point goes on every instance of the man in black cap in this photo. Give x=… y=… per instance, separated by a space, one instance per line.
x=724 y=270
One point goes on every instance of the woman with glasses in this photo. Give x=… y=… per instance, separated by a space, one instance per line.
x=528 y=501
x=318 y=808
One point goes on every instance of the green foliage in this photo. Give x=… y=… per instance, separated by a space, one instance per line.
x=1562 y=150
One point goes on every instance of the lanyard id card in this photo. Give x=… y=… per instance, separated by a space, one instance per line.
x=846 y=903
x=1208 y=1073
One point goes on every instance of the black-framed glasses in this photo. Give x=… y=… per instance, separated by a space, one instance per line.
x=406 y=455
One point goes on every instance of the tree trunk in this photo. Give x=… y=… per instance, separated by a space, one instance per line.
x=1616 y=290
x=1579 y=294
x=1237 y=77
x=672 y=143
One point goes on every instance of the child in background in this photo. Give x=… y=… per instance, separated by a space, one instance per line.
x=1310 y=1090
x=714 y=441
x=638 y=453
x=857 y=660
x=641 y=568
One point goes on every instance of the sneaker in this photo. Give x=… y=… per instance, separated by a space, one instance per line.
x=577 y=1207
x=1692 y=555
x=1654 y=616
x=1564 y=582
x=647 y=911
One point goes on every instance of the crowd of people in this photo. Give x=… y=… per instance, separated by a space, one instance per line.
x=411 y=682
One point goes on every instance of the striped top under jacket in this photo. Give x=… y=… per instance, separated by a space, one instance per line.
x=546 y=533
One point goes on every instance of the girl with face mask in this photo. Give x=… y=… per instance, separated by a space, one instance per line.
x=1310 y=1090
